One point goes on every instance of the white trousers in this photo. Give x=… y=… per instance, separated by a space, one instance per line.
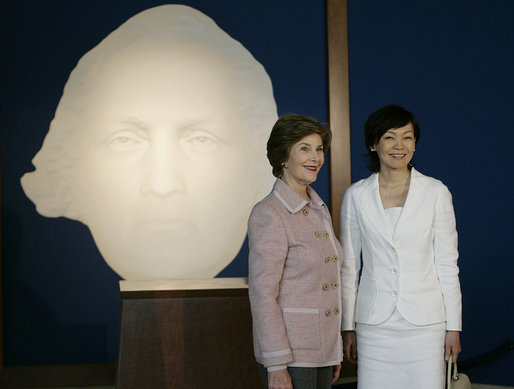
x=399 y=355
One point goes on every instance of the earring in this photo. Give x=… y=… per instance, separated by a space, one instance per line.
x=284 y=165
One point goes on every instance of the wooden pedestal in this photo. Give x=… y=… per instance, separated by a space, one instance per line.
x=186 y=334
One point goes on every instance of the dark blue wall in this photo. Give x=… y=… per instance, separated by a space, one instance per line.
x=449 y=62
x=61 y=301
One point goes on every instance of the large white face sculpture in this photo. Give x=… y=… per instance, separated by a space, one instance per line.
x=158 y=146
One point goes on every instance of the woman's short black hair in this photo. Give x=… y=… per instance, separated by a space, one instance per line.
x=288 y=130
x=379 y=122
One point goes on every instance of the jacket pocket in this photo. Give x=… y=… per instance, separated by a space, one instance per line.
x=303 y=328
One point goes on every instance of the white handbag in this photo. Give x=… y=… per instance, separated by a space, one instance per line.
x=454 y=380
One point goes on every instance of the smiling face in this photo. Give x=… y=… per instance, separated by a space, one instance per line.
x=164 y=181
x=395 y=148
x=305 y=160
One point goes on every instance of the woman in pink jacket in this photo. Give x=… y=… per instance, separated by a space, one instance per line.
x=294 y=265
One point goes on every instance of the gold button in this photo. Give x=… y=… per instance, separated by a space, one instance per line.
x=326 y=234
x=325 y=286
x=336 y=310
x=335 y=259
x=335 y=285
x=328 y=313
x=305 y=211
x=327 y=259
x=318 y=234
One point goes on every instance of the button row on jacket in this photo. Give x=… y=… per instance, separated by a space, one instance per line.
x=319 y=234
x=334 y=258
x=329 y=312
x=326 y=286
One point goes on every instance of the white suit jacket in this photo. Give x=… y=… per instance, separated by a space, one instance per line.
x=414 y=270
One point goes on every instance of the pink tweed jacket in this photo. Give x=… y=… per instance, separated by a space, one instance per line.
x=294 y=281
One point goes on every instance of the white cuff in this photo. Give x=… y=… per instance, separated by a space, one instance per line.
x=276 y=368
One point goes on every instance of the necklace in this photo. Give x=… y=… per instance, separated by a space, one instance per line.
x=392 y=193
x=401 y=190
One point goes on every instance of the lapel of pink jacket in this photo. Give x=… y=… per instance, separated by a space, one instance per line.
x=291 y=200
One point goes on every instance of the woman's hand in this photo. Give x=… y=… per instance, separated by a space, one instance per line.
x=337 y=371
x=350 y=346
x=279 y=379
x=452 y=345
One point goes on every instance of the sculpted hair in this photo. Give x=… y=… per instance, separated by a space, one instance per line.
x=288 y=130
x=379 y=122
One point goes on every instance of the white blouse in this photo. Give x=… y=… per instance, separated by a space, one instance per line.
x=392 y=217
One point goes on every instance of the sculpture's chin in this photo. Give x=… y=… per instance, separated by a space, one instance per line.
x=168 y=259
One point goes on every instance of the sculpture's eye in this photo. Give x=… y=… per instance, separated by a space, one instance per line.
x=126 y=140
x=200 y=140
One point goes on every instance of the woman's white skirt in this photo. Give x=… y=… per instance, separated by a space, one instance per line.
x=400 y=355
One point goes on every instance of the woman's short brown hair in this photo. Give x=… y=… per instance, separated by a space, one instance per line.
x=288 y=130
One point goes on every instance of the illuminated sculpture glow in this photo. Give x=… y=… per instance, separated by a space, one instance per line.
x=158 y=146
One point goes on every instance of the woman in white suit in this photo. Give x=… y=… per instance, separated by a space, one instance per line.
x=402 y=307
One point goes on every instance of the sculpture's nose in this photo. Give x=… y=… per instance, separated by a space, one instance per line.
x=163 y=173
